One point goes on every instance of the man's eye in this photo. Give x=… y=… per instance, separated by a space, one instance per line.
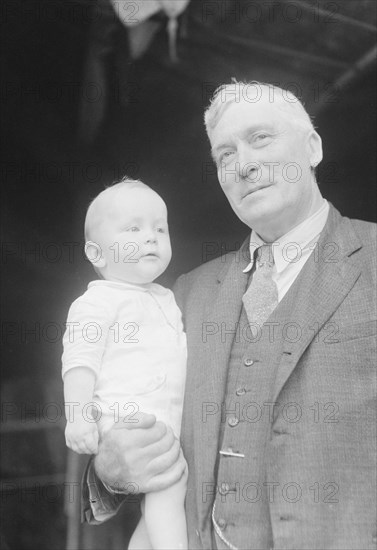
x=261 y=137
x=225 y=155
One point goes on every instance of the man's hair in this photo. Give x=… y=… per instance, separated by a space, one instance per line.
x=252 y=92
x=94 y=214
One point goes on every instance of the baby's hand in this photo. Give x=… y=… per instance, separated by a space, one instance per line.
x=82 y=436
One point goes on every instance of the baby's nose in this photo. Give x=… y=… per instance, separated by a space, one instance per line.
x=151 y=238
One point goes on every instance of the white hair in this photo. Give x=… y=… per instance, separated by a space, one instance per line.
x=252 y=92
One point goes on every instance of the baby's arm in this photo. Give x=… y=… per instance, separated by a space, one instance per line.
x=81 y=433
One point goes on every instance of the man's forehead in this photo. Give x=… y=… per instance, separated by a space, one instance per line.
x=263 y=107
x=243 y=114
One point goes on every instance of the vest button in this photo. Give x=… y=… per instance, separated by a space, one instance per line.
x=233 y=421
x=224 y=489
x=221 y=523
x=240 y=391
x=248 y=362
x=279 y=431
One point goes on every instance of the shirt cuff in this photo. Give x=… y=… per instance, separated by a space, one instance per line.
x=99 y=501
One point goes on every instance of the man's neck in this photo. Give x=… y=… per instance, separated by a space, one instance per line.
x=275 y=231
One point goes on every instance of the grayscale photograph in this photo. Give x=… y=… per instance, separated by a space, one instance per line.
x=188 y=275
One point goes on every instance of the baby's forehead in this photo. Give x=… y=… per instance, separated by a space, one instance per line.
x=138 y=198
x=101 y=206
x=135 y=199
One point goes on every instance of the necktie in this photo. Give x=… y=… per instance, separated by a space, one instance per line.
x=261 y=297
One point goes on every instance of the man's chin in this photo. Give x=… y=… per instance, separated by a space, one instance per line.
x=253 y=209
x=257 y=218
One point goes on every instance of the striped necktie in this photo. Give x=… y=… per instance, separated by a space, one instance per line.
x=261 y=297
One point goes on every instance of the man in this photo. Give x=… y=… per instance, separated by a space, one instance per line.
x=279 y=416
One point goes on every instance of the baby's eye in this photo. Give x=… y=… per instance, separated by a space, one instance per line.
x=133 y=228
x=161 y=230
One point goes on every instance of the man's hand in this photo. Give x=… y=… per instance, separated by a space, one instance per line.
x=143 y=456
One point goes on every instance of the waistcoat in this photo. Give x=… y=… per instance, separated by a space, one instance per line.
x=241 y=508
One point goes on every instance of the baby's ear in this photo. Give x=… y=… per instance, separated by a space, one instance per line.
x=93 y=252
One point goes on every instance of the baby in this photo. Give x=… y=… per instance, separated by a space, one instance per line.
x=124 y=347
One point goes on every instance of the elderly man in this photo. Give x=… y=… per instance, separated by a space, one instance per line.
x=279 y=415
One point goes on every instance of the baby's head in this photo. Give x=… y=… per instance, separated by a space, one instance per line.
x=126 y=233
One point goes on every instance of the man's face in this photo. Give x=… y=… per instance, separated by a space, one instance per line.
x=264 y=165
x=134 y=237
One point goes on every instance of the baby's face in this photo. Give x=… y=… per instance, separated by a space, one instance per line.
x=134 y=237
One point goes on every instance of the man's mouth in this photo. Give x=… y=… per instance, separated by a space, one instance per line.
x=252 y=191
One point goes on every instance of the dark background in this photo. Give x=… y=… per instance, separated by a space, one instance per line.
x=79 y=111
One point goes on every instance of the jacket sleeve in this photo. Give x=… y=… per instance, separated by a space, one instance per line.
x=98 y=504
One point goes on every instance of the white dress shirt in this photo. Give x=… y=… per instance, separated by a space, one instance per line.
x=293 y=249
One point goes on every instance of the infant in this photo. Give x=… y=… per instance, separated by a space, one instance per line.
x=124 y=347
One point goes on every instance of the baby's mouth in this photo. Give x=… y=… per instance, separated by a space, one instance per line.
x=151 y=255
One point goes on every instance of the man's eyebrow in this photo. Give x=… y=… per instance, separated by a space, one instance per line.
x=253 y=128
x=216 y=150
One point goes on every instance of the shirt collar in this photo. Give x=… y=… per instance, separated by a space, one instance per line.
x=289 y=246
x=121 y=285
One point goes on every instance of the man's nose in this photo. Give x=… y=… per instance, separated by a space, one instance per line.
x=248 y=166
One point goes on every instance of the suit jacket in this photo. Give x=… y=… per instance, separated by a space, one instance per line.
x=314 y=450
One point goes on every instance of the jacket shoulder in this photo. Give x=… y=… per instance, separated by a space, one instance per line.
x=367 y=231
x=201 y=281
x=367 y=236
x=210 y=269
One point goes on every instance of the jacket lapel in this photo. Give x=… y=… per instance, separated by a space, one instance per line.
x=324 y=282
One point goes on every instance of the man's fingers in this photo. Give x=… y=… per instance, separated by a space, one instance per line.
x=136 y=438
x=162 y=445
x=169 y=477
x=164 y=462
x=138 y=420
x=158 y=439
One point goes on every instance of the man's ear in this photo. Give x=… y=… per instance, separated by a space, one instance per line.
x=93 y=252
x=315 y=149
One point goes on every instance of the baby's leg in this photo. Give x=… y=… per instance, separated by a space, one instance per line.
x=165 y=517
x=140 y=539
